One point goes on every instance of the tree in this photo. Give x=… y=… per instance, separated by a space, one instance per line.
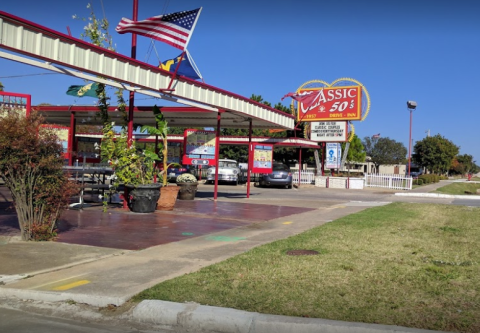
x=384 y=151
x=435 y=153
x=463 y=164
x=356 y=151
x=31 y=164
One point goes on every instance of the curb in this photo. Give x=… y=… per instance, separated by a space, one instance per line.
x=48 y=296
x=195 y=317
x=439 y=195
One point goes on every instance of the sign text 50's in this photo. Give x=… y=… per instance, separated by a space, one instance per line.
x=332 y=103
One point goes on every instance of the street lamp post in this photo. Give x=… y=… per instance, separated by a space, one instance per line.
x=411 y=105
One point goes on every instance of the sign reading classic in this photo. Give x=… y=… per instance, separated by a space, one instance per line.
x=331 y=104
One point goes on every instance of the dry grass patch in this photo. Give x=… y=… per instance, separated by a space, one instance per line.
x=404 y=264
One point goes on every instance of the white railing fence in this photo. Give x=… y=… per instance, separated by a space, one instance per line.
x=306 y=176
x=396 y=182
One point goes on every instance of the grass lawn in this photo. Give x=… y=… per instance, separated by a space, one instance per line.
x=414 y=265
x=459 y=188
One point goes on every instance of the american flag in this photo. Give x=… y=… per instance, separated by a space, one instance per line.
x=376 y=136
x=174 y=29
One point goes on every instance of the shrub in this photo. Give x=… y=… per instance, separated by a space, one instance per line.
x=31 y=163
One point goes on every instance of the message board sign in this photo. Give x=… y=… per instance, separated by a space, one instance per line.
x=328 y=131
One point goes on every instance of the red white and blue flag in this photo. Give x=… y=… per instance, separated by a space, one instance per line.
x=174 y=29
x=376 y=136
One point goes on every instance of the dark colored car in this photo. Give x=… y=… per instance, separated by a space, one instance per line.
x=281 y=176
x=174 y=172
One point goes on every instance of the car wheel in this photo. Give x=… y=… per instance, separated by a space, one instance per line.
x=289 y=186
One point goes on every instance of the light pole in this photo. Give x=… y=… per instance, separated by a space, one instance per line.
x=411 y=105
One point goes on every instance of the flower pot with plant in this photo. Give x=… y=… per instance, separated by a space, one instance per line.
x=168 y=194
x=188 y=186
x=133 y=167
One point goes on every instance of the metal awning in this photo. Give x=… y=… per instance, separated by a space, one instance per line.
x=42 y=47
x=176 y=116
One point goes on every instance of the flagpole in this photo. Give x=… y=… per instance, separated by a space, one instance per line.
x=176 y=70
x=131 y=97
x=132 y=93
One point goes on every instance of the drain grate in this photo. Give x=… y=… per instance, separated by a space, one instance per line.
x=302 y=253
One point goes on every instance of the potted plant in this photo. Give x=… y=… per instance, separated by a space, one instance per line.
x=188 y=186
x=132 y=167
x=168 y=194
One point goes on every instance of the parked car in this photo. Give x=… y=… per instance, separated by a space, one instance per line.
x=174 y=172
x=228 y=171
x=281 y=175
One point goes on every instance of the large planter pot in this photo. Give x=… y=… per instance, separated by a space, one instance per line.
x=143 y=198
x=187 y=191
x=168 y=197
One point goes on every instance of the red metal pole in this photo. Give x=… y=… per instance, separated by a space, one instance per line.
x=249 y=152
x=323 y=158
x=131 y=97
x=71 y=138
x=299 y=166
x=217 y=152
x=132 y=94
x=410 y=144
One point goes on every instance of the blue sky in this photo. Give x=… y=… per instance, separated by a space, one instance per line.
x=427 y=51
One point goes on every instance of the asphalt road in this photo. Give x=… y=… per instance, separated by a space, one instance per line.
x=15 y=321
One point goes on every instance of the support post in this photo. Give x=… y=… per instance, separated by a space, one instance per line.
x=249 y=159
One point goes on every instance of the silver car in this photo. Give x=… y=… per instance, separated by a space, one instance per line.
x=228 y=171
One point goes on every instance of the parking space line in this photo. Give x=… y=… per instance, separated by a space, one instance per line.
x=72 y=285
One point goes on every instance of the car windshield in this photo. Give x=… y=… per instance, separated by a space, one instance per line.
x=223 y=164
x=280 y=167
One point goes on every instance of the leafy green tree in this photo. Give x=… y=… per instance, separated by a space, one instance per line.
x=356 y=151
x=435 y=153
x=384 y=151
x=463 y=164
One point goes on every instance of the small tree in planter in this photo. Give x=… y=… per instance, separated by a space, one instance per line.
x=31 y=160
x=168 y=194
x=132 y=167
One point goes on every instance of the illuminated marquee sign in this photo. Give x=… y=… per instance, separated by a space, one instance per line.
x=332 y=104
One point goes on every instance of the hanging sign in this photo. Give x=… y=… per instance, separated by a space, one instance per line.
x=329 y=131
x=331 y=103
x=199 y=147
x=262 y=158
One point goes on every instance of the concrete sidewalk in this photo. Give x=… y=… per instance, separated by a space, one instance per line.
x=60 y=273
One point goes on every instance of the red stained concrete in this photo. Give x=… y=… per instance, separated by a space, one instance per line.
x=122 y=229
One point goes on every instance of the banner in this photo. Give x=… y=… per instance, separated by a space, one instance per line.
x=262 y=158
x=334 y=155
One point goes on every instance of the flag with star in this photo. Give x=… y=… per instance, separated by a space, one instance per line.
x=174 y=29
